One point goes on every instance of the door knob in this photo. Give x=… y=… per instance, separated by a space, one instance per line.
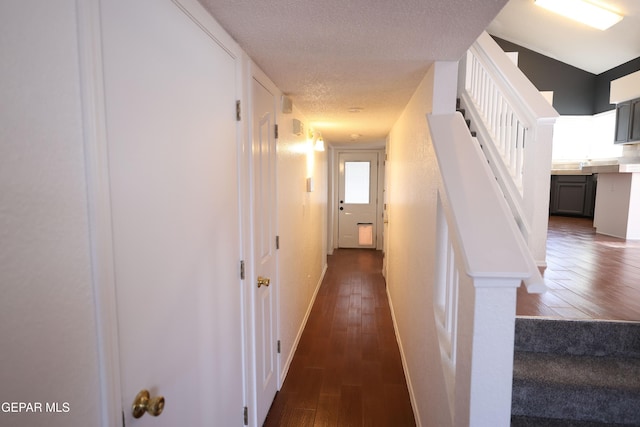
x=263 y=281
x=143 y=403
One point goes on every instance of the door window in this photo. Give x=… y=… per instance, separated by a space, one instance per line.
x=356 y=182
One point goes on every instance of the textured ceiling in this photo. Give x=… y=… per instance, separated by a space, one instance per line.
x=592 y=50
x=333 y=55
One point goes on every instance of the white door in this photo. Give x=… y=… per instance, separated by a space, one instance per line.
x=357 y=199
x=264 y=243
x=171 y=129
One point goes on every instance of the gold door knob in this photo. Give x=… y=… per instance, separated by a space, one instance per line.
x=263 y=281
x=143 y=403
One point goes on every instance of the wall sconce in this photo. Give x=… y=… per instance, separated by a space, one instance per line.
x=315 y=140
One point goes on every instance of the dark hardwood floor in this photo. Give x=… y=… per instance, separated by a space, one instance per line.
x=347 y=369
x=589 y=275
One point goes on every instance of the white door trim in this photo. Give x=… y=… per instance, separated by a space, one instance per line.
x=99 y=209
x=244 y=184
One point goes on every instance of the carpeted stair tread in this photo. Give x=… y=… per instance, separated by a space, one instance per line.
x=576 y=403
x=520 y=421
x=579 y=371
x=578 y=337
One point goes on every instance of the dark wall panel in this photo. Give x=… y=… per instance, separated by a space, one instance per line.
x=573 y=88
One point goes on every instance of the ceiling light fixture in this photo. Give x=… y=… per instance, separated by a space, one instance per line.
x=584 y=11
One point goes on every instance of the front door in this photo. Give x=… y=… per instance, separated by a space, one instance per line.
x=357 y=199
x=264 y=281
x=171 y=129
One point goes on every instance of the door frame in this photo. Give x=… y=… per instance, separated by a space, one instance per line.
x=95 y=144
x=99 y=209
x=249 y=72
x=334 y=201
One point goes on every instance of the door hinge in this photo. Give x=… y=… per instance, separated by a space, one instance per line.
x=242 y=270
x=276 y=130
x=277 y=242
x=238 y=111
x=278 y=346
x=246 y=416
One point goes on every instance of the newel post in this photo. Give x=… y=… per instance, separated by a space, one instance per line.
x=485 y=373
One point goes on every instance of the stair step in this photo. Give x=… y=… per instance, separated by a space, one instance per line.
x=578 y=337
x=598 y=389
x=519 y=421
x=578 y=373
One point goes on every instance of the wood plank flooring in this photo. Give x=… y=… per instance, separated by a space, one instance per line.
x=347 y=369
x=589 y=275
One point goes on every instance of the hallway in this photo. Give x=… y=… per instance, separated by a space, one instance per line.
x=347 y=369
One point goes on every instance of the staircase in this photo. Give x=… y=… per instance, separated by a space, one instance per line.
x=514 y=125
x=576 y=373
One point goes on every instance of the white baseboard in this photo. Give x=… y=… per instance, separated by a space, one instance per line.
x=407 y=374
x=285 y=368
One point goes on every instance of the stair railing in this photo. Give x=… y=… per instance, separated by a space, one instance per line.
x=514 y=125
x=481 y=260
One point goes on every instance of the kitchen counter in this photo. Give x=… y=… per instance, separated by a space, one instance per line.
x=617 y=198
x=591 y=167
x=617 y=208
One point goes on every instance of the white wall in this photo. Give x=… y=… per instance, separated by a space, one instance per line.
x=302 y=222
x=48 y=339
x=412 y=179
x=581 y=138
x=48 y=347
